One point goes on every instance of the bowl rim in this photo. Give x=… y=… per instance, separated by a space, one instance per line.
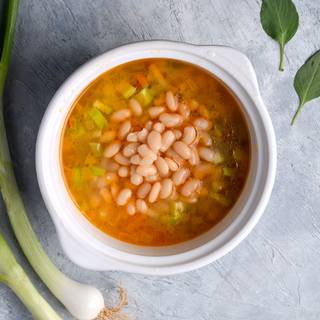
x=165 y=264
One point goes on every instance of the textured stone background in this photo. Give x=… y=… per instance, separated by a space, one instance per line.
x=274 y=273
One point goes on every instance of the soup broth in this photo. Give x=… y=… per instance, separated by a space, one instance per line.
x=155 y=152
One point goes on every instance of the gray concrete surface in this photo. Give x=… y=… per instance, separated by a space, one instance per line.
x=274 y=273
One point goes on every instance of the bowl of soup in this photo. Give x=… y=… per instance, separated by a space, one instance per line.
x=156 y=157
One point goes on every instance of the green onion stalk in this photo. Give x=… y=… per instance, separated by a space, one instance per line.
x=83 y=302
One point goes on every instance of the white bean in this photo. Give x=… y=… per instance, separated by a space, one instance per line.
x=180 y=176
x=154 y=141
x=177 y=133
x=112 y=149
x=148 y=160
x=189 y=134
x=135 y=107
x=135 y=159
x=145 y=151
x=171 y=101
x=143 y=190
x=132 y=137
x=153 y=178
x=171 y=119
x=173 y=166
x=205 y=139
x=123 y=172
x=141 y=206
x=149 y=125
x=121 y=159
x=162 y=166
x=131 y=209
x=190 y=187
x=184 y=110
x=182 y=150
x=142 y=135
x=154 y=192
x=123 y=197
x=167 y=140
x=109 y=164
x=172 y=154
x=130 y=149
x=121 y=115
x=166 y=188
x=154 y=112
x=206 y=154
x=136 y=179
x=146 y=170
x=159 y=127
x=124 y=129
x=201 y=123
x=194 y=159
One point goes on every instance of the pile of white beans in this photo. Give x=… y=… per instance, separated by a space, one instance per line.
x=158 y=159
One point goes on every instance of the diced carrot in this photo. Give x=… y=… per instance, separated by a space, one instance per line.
x=142 y=80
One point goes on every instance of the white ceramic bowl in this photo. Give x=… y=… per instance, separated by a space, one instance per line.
x=87 y=246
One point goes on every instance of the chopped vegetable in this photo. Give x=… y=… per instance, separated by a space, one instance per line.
x=221 y=199
x=145 y=96
x=228 y=172
x=126 y=90
x=218 y=157
x=102 y=107
x=177 y=212
x=142 y=80
x=83 y=301
x=97 y=171
x=76 y=176
x=157 y=75
x=96 y=148
x=98 y=118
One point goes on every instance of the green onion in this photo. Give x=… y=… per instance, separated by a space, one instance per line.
x=12 y=274
x=96 y=148
x=98 y=118
x=83 y=301
x=76 y=177
x=97 y=171
x=145 y=96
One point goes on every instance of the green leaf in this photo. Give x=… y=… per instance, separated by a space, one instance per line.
x=280 y=20
x=307 y=82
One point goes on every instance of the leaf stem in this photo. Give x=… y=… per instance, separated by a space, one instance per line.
x=297 y=113
x=281 y=64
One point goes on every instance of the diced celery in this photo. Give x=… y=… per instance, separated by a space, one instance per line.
x=97 y=171
x=228 y=172
x=77 y=130
x=102 y=107
x=221 y=199
x=217 y=130
x=76 y=177
x=95 y=148
x=218 y=157
x=177 y=212
x=98 y=118
x=145 y=96
x=126 y=89
x=217 y=186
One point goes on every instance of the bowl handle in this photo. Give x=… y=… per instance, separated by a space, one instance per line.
x=82 y=255
x=235 y=63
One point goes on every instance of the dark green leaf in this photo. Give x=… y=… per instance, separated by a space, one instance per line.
x=280 y=20
x=307 y=82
